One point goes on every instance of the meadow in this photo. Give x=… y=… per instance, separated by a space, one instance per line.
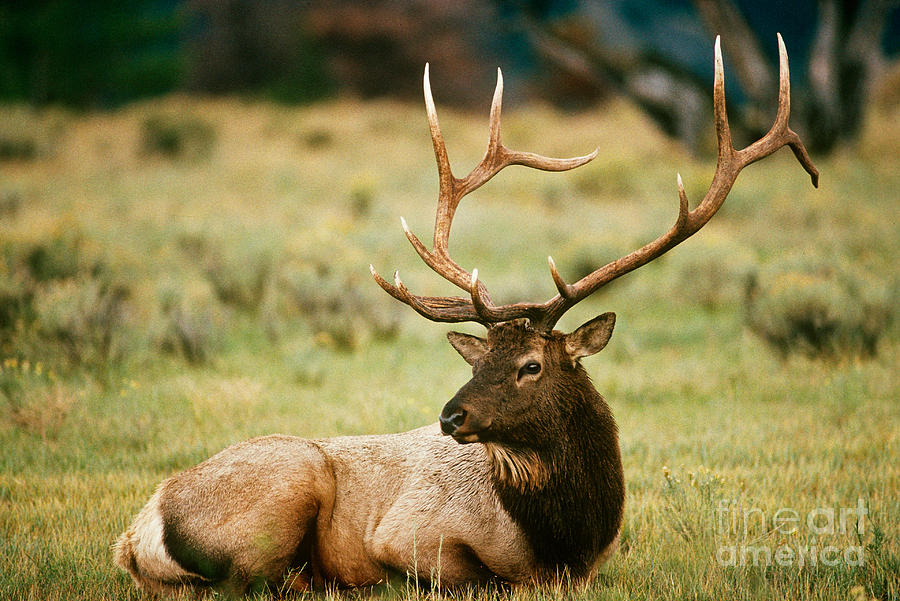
x=183 y=274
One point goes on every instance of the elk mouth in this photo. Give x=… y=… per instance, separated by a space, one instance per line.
x=466 y=438
x=467 y=435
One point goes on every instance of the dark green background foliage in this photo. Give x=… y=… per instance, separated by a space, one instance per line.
x=90 y=53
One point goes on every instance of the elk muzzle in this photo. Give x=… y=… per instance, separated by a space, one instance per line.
x=459 y=421
x=453 y=422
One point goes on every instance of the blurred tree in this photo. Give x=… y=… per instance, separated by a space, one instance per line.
x=90 y=53
x=648 y=50
x=379 y=48
x=244 y=45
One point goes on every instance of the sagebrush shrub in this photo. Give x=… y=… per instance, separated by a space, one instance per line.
x=239 y=276
x=84 y=317
x=16 y=296
x=11 y=201
x=27 y=264
x=709 y=272
x=820 y=307
x=56 y=258
x=338 y=306
x=192 y=321
x=60 y=300
x=177 y=136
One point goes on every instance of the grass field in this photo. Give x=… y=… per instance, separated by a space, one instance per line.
x=184 y=274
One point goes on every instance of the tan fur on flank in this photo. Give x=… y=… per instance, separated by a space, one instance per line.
x=376 y=505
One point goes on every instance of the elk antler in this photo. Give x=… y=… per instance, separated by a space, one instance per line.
x=452 y=189
x=544 y=316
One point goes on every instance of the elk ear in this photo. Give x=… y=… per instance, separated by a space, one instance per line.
x=590 y=338
x=470 y=347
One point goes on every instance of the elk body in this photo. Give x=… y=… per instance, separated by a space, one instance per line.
x=520 y=481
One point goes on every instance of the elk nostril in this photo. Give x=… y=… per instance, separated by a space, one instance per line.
x=458 y=418
x=451 y=424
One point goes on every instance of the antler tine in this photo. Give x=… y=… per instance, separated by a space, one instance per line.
x=781 y=134
x=439 y=260
x=497 y=156
x=723 y=130
x=565 y=291
x=784 y=87
x=437 y=139
x=446 y=309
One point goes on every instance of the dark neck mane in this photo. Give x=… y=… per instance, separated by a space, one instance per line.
x=566 y=494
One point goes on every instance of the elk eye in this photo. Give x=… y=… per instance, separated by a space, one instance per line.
x=530 y=368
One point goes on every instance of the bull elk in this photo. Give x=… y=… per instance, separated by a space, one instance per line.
x=520 y=482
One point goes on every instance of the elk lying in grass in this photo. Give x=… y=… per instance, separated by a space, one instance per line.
x=520 y=482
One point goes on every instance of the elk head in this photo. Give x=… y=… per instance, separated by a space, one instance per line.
x=524 y=362
x=518 y=371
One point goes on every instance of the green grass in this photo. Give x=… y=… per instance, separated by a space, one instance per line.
x=258 y=250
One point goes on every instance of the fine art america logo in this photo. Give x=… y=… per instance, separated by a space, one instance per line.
x=819 y=536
